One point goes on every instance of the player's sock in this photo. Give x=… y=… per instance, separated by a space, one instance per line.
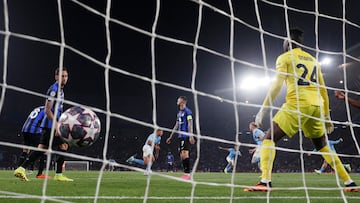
x=336 y=164
x=186 y=165
x=34 y=155
x=267 y=156
x=41 y=164
x=138 y=161
x=228 y=168
x=148 y=167
x=59 y=163
x=322 y=169
x=22 y=158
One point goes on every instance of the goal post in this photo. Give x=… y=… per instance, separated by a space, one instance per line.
x=75 y=166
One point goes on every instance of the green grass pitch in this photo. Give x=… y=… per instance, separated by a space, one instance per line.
x=131 y=186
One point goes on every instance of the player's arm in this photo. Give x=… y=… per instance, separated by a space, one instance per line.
x=168 y=140
x=157 y=151
x=222 y=148
x=353 y=102
x=48 y=112
x=270 y=97
x=190 y=130
x=251 y=151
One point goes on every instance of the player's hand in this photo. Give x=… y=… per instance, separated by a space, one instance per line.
x=341 y=139
x=260 y=117
x=168 y=141
x=192 y=139
x=328 y=124
x=339 y=94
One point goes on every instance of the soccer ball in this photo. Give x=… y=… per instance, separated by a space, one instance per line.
x=79 y=127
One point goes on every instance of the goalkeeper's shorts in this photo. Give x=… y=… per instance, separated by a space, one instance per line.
x=287 y=120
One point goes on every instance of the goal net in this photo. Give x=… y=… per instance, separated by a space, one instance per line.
x=129 y=61
x=75 y=165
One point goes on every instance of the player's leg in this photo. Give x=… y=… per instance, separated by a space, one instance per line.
x=42 y=163
x=25 y=152
x=63 y=147
x=34 y=155
x=322 y=168
x=256 y=158
x=185 y=158
x=333 y=160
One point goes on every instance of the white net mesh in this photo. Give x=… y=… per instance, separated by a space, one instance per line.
x=129 y=61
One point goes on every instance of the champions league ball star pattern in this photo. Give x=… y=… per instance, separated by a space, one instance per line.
x=79 y=127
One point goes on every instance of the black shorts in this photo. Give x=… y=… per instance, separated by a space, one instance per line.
x=184 y=144
x=45 y=138
x=31 y=139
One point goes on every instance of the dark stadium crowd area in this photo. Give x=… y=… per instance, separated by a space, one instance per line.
x=125 y=141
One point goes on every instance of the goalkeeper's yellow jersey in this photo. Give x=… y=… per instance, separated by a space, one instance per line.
x=303 y=72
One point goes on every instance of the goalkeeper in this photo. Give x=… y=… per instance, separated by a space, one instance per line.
x=303 y=77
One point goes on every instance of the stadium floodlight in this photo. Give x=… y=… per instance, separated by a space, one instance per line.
x=325 y=61
x=252 y=83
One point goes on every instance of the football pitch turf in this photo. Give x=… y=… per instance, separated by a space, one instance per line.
x=166 y=187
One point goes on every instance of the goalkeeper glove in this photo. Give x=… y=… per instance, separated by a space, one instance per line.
x=328 y=124
x=260 y=116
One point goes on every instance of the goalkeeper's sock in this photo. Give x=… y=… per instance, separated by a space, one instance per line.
x=186 y=165
x=34 y=155
x=267 y=156
x=334 y=161
x=22 y=158
x=138 y=161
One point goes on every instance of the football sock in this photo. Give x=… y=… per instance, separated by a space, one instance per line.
x=186 y=165
x=22 y=158
x=335 y=163
x=148 y=167
x=267 y=156
x=322 y=169
x=34 y=155
x=42 y=164
x=228 y=168
x=139 y=161
x=60 y=162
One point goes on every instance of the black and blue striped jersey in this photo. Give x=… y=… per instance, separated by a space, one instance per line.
x=52 y=95
x=33 y=122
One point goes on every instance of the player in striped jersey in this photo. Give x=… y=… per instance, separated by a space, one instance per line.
x=152 y=142
x=52 y=107
x=184 y=123
x=31 y=132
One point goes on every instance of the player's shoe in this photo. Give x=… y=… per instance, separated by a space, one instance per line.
x=61 y=177
x=347 y=167
x=147 y=172
x=259 y=187
x=43 y=176
x=186 y=176
x=131 y=159
x=29 y=172
x=352 y=187
x=21 y=173
x=317 y=171
x=225 y=170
